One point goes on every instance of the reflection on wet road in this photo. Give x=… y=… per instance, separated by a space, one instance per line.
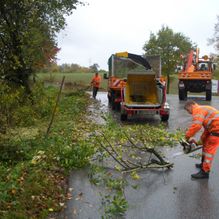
x=161 y=194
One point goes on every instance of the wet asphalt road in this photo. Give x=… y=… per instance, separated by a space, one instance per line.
x=160 y=194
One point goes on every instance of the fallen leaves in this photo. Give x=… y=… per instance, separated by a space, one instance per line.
x=68 y=196
x=79 y=196
x=74 y=211
x=134 y=175
x=39 y=157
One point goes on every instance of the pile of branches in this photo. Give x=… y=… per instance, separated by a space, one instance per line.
x=133 y=151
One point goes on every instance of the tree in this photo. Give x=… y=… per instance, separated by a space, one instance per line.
x=28 y=31
x=169 y=46
x=94 y=67
x=215 y=39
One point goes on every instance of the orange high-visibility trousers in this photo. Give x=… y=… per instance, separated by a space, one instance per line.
x=210 y=146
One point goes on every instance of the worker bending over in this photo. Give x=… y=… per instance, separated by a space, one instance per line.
x=208 y=118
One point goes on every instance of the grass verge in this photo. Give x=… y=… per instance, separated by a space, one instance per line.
x=33 y=168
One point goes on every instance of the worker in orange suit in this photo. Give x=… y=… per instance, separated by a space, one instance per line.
x=208 y=118
x=95 y=82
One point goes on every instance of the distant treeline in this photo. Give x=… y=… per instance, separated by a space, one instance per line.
x=71 y=68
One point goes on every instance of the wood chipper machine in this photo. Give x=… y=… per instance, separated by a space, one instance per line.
x=141 y=89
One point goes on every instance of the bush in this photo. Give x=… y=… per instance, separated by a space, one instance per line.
x=18 y=109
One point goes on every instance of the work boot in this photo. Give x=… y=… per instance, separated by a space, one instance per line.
x=198 y=165
x=200 y=175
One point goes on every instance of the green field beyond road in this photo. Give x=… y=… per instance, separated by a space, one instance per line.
x=83 y=79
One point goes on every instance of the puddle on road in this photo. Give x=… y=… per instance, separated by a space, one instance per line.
x=98 y=107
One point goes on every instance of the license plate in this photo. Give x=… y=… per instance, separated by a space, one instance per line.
x=145 y=112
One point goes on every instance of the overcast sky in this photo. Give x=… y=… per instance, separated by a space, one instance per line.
x=104 y=27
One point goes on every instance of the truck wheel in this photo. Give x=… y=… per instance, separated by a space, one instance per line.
x=113 y=103
x=182 y=94
x=208 y=95
x=185 y=91
x=123 y=117
x=117 y=107
x=164 y=118
x=109 y=99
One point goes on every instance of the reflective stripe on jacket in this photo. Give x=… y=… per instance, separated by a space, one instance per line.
x=205 y=116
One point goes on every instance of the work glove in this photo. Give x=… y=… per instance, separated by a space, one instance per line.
x=193 y=141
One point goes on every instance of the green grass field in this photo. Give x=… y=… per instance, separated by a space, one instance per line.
x=83 y=79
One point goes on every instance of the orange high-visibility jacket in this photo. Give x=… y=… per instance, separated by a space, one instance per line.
x=96 y=81
x=205 y=116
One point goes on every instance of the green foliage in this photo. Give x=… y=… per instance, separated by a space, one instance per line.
x=17 y=109
x=151 y=136
x=76 y=155
x=114 y=203
x=28 y=36
x=8 y=101
x=169 y=46
x=99 y=176
x=94 y=67
x=215 y=39
x=28 y=191
x=13 y=152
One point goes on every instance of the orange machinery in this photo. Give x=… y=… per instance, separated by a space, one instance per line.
x=196 y=75
x=119 y=64
x=135 y=86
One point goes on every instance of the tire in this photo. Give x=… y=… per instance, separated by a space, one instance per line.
x=208 y=95
x=113 y=103
x=109 y=99
x=123 y=117
x=164 y=118
x=182 y=94
x=118 y=107
x=185 y=92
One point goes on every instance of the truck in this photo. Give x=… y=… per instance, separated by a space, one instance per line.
x=116 y=79
x=196 y=75
x=135 y=85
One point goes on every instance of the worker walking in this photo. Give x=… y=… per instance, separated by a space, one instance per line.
x=95 y=82
x=208 y=118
